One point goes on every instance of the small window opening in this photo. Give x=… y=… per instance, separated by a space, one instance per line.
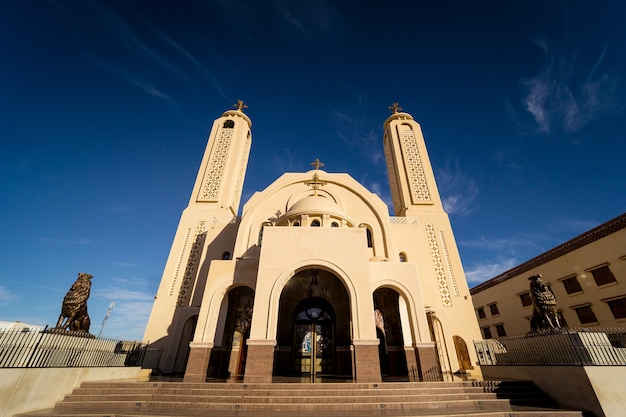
x=229 y=124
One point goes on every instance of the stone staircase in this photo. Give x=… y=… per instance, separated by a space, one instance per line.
x=467 y=398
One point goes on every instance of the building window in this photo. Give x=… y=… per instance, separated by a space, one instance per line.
x=603 y=275
x=226 y=256
x=481 y=313
x=618 y=307
x=585 y=314
x=486 y=332
x=334 y=224
x=315 y=223
x=229 y=124
x=493 y=308
x=296 y=223
x=402 y=257
x=525 y=299
x=368 y=232
x=500 y=330
x=571 y=285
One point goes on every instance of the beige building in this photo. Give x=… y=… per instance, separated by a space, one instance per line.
x=587 y=276
x=315 y=280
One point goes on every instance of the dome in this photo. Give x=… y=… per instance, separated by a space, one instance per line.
x=315 y=205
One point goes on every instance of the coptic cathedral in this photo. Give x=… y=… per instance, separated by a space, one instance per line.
x=315 y=281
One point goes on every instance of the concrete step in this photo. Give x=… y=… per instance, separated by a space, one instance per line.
x=467 y=398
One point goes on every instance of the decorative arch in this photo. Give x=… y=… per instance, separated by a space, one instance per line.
x=283 y=278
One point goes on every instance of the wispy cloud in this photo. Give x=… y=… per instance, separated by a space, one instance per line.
x=131 y=78
x=61 y=241
x=481 y=272
x=358 y=132
x=7 y=296
x=305 y=17
x=566 y=93
x=458 y=191
x=124 y=264
x=130 y=314
x=208 y=74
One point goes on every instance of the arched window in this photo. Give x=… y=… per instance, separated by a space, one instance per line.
x=368 y=231
x=334 y=224
x=315 y=223
x=402 y=257
x=296 y=223
x=229 y=124
x=226 y=256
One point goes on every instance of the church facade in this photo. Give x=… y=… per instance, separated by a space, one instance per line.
x=315 y=281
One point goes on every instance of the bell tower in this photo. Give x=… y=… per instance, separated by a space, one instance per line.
x=220 y=177
x=411 y=176
x=207 y=231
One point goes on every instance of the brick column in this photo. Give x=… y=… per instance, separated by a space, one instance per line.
x=259 y=361
x=198 y=361
x=412 y=364
x=366 y=360
x=428 y=365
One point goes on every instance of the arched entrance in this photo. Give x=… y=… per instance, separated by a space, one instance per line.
x=313 y=334
x=393 y=365
x=182 y=354
x=230 y=360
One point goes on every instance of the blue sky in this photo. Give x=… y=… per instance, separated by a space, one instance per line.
x=105 y=108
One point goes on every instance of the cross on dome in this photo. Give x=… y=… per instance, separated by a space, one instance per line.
x=240 y=105
x=315 y=183
x=395 y=108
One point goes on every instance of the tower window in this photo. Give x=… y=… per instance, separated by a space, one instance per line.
x=296 y=223
x=226 y=256
x=334 y=224
x=229 y=124
x=315 y=223
x=402 y=257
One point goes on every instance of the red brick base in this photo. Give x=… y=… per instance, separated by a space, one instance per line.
x=259 y=361
x=367 y=362
x=198 y=362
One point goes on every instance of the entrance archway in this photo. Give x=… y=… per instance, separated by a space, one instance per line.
x=391 y=351
x=313 y=334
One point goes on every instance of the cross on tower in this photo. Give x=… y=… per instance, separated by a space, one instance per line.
x=317 y=164
x=395 y=108
x=315 y=183
x=240 y=105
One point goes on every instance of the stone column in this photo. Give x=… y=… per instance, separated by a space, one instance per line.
x=259 y=361
x=427 y=363
x=366 y=360
x=198 y=362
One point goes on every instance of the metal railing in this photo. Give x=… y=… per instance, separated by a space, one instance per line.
x=23 y=348
x=573 y=347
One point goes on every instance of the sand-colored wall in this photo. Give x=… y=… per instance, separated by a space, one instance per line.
x=599 y=389
x=29 y=389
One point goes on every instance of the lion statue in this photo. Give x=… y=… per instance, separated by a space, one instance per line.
x=544 y=316
x=74 y=315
